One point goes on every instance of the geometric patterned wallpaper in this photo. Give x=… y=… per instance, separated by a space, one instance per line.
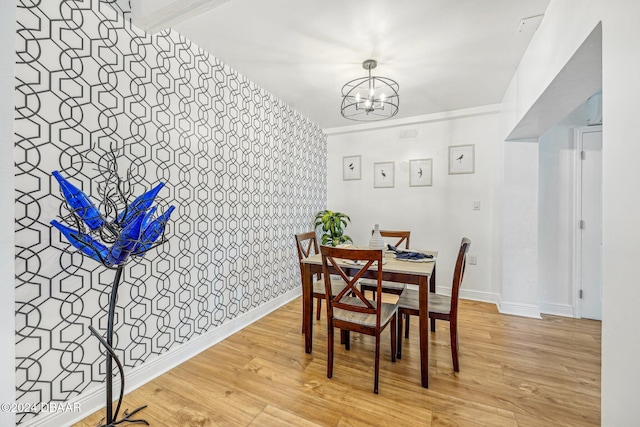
x=244 y=170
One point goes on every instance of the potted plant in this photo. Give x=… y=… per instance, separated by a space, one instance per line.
x=332 y=227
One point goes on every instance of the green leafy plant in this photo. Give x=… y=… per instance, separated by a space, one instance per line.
x=332 y=227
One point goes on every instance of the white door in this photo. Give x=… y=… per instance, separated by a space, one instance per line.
x=590 y=292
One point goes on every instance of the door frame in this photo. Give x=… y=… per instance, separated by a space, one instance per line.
x=577 y=235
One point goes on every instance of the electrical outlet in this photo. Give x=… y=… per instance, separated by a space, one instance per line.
x=473 y=260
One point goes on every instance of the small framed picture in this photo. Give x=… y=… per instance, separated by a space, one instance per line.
x=350 y=168
x=383 y=174
x=420 y=172
x=461 y=159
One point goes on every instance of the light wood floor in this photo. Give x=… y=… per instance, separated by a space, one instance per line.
x=513 y=372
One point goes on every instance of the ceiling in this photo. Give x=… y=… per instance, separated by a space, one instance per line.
x=445 y=54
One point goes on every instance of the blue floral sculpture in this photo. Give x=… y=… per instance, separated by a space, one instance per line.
x=87 y=244
x=82 y=206
x=138 y=231
x=131 y=233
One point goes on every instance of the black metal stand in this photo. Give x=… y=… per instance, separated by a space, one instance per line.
x=111 y=418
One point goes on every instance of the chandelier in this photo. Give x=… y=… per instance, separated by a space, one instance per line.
x=370 y=98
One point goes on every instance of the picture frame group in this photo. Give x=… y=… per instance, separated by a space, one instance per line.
x=461 y=160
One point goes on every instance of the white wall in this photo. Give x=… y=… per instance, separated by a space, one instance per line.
x=621 y=209
x=7 y=309
x=437 y=216
x=566 y=24
x=519 y=290
x=557 y=215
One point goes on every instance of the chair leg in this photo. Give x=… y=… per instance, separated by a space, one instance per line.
x=407 y=317
x=394 y=340
x=347 y=339
x=318 y=309
x=372 y=289
x=302 y=328
x=399 y=337
x=330 y=352
x=453 y=331
x=433 y=324
x=376 y=374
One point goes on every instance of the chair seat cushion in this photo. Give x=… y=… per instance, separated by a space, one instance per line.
x=386 y=313
x=385 y=285
x=336 y=287
x=437 y=303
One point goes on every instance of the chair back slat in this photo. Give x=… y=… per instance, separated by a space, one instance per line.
x=351 y=298
x=306 y=245
x=458 y=274
x=307 y=251
x=351 y=282
x=402 y=235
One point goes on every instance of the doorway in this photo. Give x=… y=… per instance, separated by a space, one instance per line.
x=588 y=251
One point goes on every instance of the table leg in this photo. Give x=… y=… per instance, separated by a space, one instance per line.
x=432 y=288
x=307 y=307
x=432 y=280
x=424 y=330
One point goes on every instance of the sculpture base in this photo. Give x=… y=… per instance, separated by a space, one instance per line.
x=126 y=419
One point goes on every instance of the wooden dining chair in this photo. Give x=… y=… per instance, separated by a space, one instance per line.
x=388 y=287
x=349 y=310
x=307 y=245
x=441 y=307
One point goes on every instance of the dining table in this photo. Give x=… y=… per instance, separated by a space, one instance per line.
x=421 y=273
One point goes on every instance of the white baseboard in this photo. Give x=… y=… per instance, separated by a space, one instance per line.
x=481 y=296
x=516 y=309
x=564 y=310
x=519 y=309
x=93 y=399
x=469 y=294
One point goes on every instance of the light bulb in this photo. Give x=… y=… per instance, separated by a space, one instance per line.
x=382 y=98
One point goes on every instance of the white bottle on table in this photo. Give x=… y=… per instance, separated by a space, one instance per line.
x=376 y=241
